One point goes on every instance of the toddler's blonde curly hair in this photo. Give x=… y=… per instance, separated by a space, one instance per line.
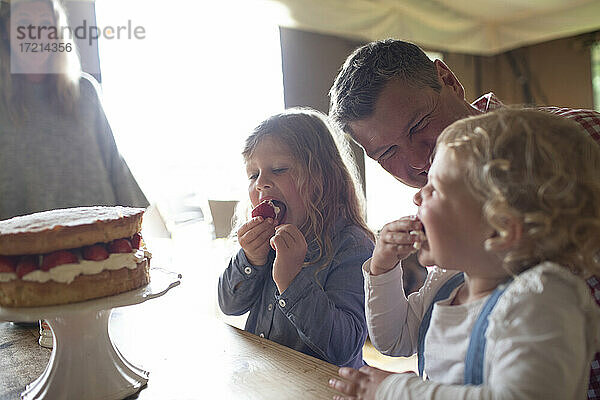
x=541 y=169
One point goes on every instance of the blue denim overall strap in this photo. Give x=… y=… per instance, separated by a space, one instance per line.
x=442 y=294
x=476 y=349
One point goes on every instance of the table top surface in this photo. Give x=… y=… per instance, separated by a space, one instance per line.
x=189 y=352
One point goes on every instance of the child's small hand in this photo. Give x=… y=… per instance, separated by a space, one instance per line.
x=396 y=242
x=360 y=384
x=290 y=247
x=254 y=238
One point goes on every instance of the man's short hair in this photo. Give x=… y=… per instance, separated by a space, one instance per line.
x=366 y=72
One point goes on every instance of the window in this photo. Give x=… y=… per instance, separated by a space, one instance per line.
x=387 y=199
x=596 y=74
x=182 y=100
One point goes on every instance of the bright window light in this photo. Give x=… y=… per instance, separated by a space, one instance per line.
x=387 y=198
x=182 y=100
x=596 y=74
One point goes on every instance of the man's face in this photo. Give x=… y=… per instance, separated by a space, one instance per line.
x=404 y=127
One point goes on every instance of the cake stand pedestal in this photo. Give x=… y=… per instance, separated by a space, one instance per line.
x=85 y=364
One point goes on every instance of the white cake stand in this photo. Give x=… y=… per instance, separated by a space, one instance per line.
x=85 y=364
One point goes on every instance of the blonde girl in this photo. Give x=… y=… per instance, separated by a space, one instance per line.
x=511 y=211
x=299 y=276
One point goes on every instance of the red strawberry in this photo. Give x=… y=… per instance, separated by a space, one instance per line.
x=265 y=209
x=96 y=252
x=26 y=264
x=8 y=263
x=120 y=246
x=136 y=241
x=56 y=258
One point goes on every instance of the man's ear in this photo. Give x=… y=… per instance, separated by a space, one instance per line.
x=448 y=79
x=513 y=231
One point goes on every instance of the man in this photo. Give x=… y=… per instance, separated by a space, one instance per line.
x=394 y=101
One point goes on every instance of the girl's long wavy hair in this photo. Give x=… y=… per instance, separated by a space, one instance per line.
x=62 y=86
x=326 y=175
x=541 y=169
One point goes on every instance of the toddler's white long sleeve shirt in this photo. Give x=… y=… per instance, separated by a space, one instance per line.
x=541 y=338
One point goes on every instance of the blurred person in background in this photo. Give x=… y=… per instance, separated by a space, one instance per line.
x=57 y=149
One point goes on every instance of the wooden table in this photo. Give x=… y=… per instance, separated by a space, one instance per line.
x=190 y=353
x=235 y=365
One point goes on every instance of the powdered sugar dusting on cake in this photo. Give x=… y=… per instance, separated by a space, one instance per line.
x=67 y=228
x=49 y=220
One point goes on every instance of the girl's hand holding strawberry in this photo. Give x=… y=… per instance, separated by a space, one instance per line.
x=290 y=247
x=254 y=238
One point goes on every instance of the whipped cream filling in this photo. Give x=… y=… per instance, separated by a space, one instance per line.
x=66 y=273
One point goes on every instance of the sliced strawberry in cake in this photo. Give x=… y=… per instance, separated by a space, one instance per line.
x=8 y=268
x=96 y=252
x=57 y=258
x=26 y=265
x=8 y=264
x=136 y=241
x=120 y=246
